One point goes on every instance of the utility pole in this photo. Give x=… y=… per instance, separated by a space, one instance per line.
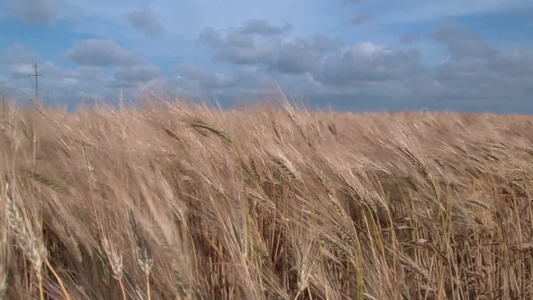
x=36 y=74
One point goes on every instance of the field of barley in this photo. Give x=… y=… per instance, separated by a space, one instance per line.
x=173 y=200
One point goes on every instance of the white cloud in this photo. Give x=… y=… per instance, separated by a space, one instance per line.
x=363 y=18
x=95 y=52
x=17 y=54
x=70 y=81
x=21 y=70
x=146 y=20
x=365 y=48
x=262 y=27
x=130 y=76
x=420 y=11
x=285 y=55
x=42 y=12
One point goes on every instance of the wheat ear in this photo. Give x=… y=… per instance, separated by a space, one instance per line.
x=4 y=256
x=32 y=247
x=144 y=258
x=115 y=260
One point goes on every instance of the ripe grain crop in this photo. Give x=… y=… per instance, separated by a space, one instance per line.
x=174 y=200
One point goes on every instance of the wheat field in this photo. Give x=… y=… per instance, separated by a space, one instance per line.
x=174 y=200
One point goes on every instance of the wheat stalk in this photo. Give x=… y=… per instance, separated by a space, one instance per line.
x=53 y=183
x=144 y=257
x=32 y=247
x=286 y=166
x=115 y=260
x=199 y=125
x=4 y=258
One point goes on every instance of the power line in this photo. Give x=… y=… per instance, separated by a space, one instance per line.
x=21 y=31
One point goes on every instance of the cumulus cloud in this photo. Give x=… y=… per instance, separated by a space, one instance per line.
x=201 y=81
x=424 y=10
x=90 y=74
x=363 y=18
x=7 y=86
x=367 y=62
x=21 y=70
x=513 y=62
x=497 y=80
x=195 y=82
x=280 y=55
x=101 y=53
x=409 y=38
x=479 y=76
x=129 y=76
x=301 y=55
x=16 y=54
x=362 y=71
x=211 y=36
x=146 y=20
x=70 y=81
x=285 y=55
x=459 y=40
x=64 y=86
x=351 y=2
x=366 y=75
x=103 y=68
x=86 y=77
x=42 y=12
x=243 y=36
x=262 y=27
x=243 y=49
x=238 y=47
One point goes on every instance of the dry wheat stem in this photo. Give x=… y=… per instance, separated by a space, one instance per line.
x=144 y=258
x=4 y=258
x=59 y=281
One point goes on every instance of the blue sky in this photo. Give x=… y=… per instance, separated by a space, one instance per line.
x=474 y=55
